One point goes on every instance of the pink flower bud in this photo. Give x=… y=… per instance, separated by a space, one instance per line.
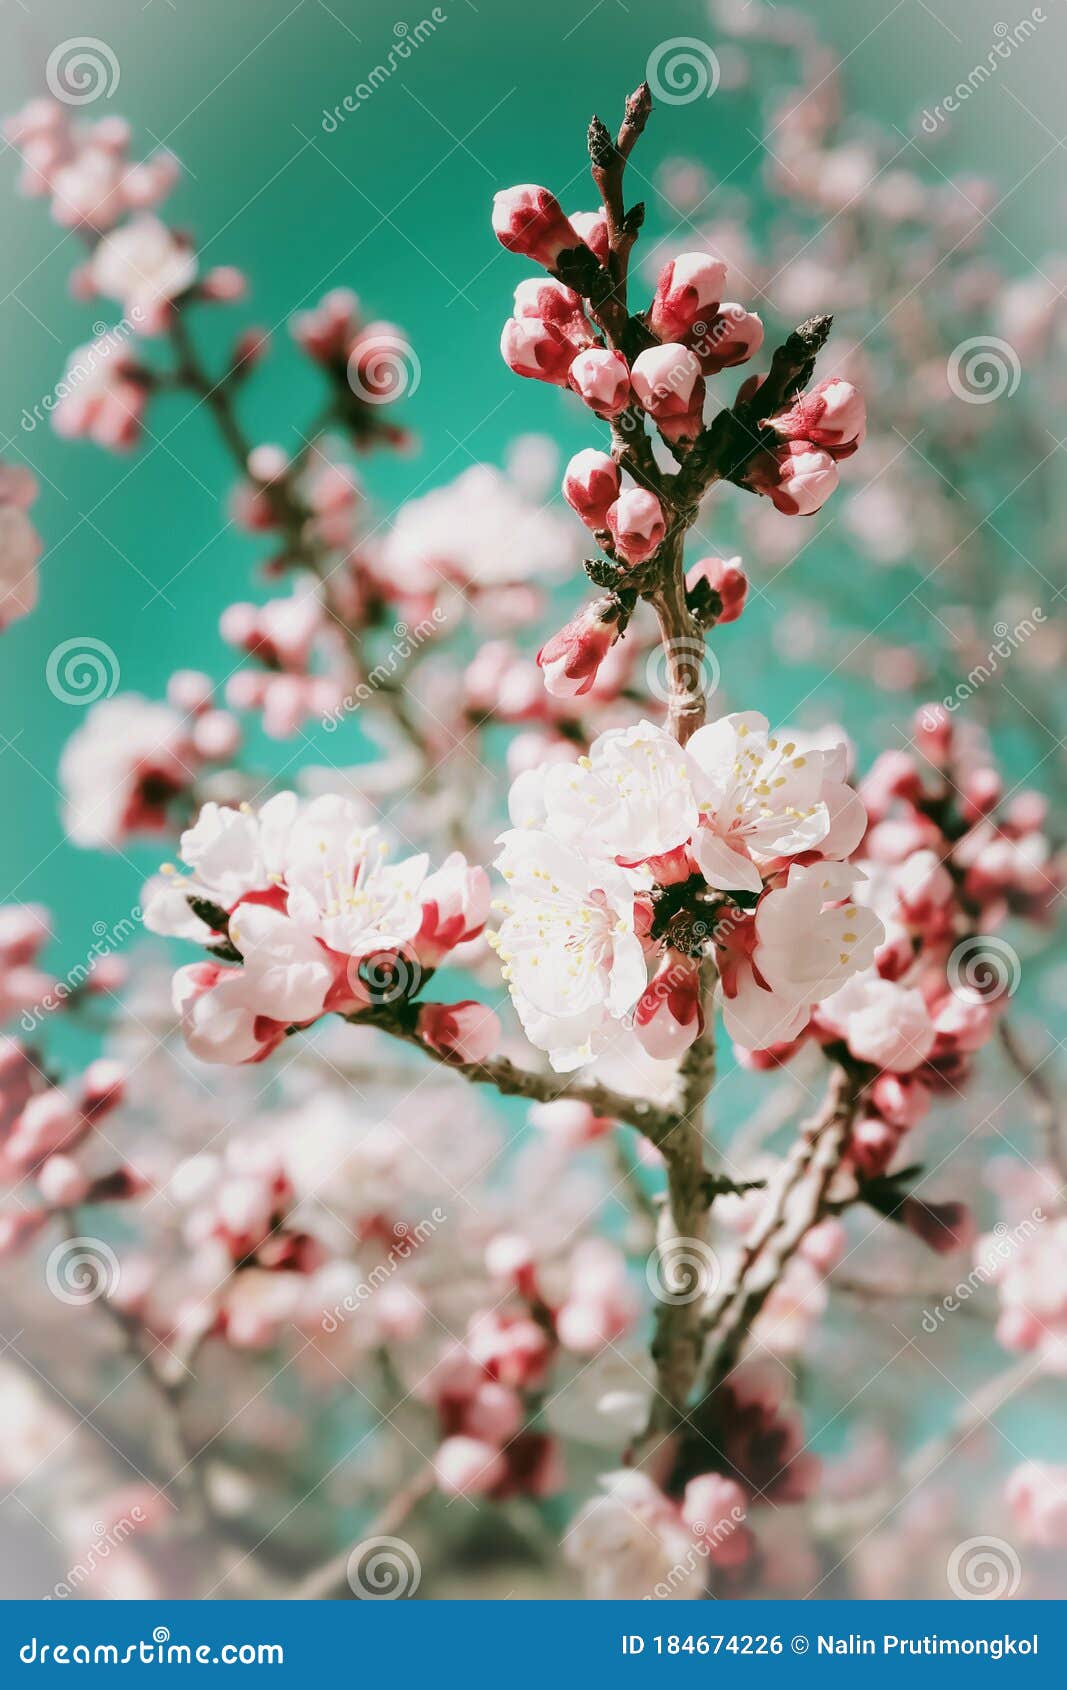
x=714 y=1508
x=901 y=1099
x=509 y=1257
x=216 y=735
x=636 y=524
x=669 y=1016
x=468 y=1466
x=493 y=1413
x=1036 y=1493
x=724 y=577
x=729 y=338
x=570 y=1122
x=798 y=478
x=532 y=347
x=602 y=379
x=570 y=659
x=61 y=1182
x=932 y=732
x=688 y=291
x=670 y=387
x=466 y=1032
x=544 y=297
x=190 y=691
x=832 y=416
x=267 y=463
x=592 y=226
x=455 y=908
x=981 y=790
x=224 y=284
x=102 y=1087
x=591 y=485
x=530 y=221
x=872 y=1146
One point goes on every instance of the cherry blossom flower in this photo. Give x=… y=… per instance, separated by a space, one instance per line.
x=145 y=267
x=573 y=959
x=122 y=769
x=103 y=395
x=803 y=942
x=766 y=797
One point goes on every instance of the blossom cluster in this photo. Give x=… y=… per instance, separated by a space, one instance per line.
x=306 y=917
x=650 y=853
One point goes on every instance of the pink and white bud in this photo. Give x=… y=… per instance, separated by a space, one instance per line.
x=798 y=478
x=872 y=1145
x=833 y=416
x=463 y=1032
x=981 y=790
x=224 y=285
x=534 y=348
x=901 y=1099
x=61 y=1182
x=569 y=661
x=190 y=691
x=468 y=1466
x=730 y=337
x=216 y=735
x=670 y=387
x=688 y=291
x=1036 y=1493
x=553 y=302
x=591 y=485
x=102 y=1088
x=669 y=1016
x=455 y=908
x=493 y=1413
x=933 y=734
x=636 y=524
x=529 y=220
x=724 y=577
x=602 y=379
x=714 y=1508
x=569 y=1121
x=592 y=226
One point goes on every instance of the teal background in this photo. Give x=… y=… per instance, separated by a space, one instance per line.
x=395 y=203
